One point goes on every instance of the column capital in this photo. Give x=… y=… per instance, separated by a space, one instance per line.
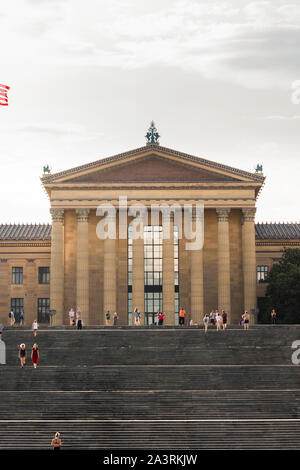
x=82 y=215
x=197 y=215
x=249 y=214
x=166 y=217
x=57 y=215
x=223 y=214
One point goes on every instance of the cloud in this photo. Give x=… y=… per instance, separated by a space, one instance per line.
x=67 y=131
x=282 y=118
x=252 y=43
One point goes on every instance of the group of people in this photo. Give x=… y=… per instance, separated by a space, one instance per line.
x=34 y=355
x=75 y=318
x=12 y=318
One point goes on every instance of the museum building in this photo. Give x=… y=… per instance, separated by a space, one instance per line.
x=50 y=268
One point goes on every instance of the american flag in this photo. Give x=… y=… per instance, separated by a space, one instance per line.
x=3 y=95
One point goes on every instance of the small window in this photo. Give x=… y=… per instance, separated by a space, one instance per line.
x=44 y=275
x=262 y=273
x=17 y=275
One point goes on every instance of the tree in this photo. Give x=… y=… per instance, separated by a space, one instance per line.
x=283 y=290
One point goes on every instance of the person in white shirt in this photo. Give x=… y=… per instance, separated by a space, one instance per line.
x=218 y=320
x=71 y=316
x=35 y=327
x=205 y=321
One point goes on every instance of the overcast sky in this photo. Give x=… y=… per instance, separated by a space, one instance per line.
x=87 y=77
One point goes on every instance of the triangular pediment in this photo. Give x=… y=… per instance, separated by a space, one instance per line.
x=152 y=164
x=150 y=169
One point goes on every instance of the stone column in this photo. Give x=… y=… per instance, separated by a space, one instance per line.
x=168 y=269
x=224 y=261
x=197 y=297
x=249 y=261
x=57 y=266
x=110 y=274
x=82 y=284
x=138 y=281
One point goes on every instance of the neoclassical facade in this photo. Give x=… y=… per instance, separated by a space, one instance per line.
x=82 y=270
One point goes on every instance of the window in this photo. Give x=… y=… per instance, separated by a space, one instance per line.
x=43 y=311
x=44 y=275
x=176 y=272
x=262 y=273
x=17 y=275
x=17 y=306
x=129 y=273
x=153 y=246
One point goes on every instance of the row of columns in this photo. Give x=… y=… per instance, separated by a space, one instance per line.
x=110 y=268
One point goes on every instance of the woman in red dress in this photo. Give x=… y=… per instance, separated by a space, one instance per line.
x=35 y=355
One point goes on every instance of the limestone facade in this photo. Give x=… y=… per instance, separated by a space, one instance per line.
x=91 y=273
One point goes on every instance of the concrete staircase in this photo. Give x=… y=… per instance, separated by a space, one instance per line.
x=147 y=387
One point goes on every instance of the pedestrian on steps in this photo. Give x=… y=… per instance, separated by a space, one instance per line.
x=107 y=318
x=224 y=319
x=22 y=318
x=22 y=355
x=137 y=317
x=160 y=317
x=115 y=318
x=182 y=314
x=218 y=320
x=56 y=441
x=246 y=320
x=206 y=321
x=35 y=355
x=71 y=317
x=273 y=317
x=79 y=319
x=11 y=317
x=35 y=327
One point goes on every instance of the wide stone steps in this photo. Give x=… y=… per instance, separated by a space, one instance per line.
x=154 y=378
x=152 y=388
x=150 y=405
x=155 y=346
x=272 y=435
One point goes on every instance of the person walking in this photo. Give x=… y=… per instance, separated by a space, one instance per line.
x=11 y=317
x=79 y=319
x=1 y=331
x=22 y=355
x=182 y=314
x=212 y=317
x=35 y=327
x=160 y=317
x=107 y=318
x=246 y=320
x=71 y=317
x=22 y=318
x=218 y=320
x=224 y=319
x=35 y=355
x=273 y=317
x=206 y=321
x=137 y=317
x=115 y=318
x=56 y=441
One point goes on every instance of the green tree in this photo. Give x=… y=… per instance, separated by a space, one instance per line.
x=283 y=290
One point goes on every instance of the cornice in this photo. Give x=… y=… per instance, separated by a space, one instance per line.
x=281 y=243
x=17 y=244
x=151 y=186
